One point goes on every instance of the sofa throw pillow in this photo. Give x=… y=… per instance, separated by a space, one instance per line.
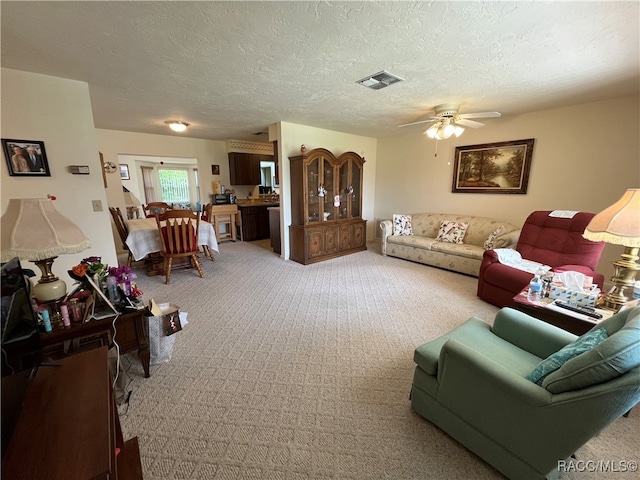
x=452 y=232
x=615 y=356
x=488 y=243
x=402 y=225
x=554 y=361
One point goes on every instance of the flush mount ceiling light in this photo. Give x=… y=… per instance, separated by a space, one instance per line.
x=379 y=80
x=177 y=126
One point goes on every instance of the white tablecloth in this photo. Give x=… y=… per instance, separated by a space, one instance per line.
x=144 y=237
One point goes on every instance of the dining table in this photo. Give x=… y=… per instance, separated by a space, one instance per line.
x=144 y=237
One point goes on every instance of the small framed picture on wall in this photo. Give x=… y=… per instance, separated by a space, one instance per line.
x=124 y=172
x=25 y=158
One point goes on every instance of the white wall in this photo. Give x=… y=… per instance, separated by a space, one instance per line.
x=292 y=136
x=584 y=158
x=58 y=112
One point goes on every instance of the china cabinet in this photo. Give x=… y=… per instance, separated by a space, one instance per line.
x=326 y=206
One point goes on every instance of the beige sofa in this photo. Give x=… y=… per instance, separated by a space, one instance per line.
x=422 y=246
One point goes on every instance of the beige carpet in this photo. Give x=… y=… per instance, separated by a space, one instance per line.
x=303 y=372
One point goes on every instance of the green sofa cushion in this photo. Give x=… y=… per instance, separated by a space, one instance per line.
x=554 y=361
x=613 y=357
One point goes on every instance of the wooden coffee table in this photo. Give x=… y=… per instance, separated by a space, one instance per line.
x=573 y=322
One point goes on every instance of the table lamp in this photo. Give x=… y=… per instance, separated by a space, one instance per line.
x=619 y=224
x=132 y=203
x=33 y=229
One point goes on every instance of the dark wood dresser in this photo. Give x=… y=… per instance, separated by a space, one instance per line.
x=68 y=427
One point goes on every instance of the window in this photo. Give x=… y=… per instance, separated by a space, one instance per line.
x=174 y=184
x=195 y=173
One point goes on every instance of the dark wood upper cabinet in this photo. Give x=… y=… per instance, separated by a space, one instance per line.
x=244 y=168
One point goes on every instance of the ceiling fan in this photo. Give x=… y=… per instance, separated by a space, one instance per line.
x=447 y=121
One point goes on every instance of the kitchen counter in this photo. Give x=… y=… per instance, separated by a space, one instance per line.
x=255 y=218
x=256 y=202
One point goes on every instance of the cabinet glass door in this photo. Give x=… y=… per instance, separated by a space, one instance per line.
x=313 y=185
x=329 y=191
x=343 y=185
x=355 y=189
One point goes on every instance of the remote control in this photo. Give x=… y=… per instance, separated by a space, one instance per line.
x=589 y=311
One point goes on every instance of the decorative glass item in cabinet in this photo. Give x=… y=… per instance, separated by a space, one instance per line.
x=314 y=213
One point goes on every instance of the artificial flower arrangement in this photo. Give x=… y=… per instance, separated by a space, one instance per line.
x=94 y=267
x=124 y=278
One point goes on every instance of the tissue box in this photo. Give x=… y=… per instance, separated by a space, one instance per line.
x=587 y=298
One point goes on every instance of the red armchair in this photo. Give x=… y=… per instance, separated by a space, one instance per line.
x=553 y=241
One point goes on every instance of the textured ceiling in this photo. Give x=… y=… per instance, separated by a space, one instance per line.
x=232 y=68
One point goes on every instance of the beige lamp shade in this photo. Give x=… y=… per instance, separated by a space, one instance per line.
x=618 y=224
x=32 y=229
x=130 y=200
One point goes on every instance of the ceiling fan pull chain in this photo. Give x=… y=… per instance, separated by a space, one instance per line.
x=436 y=154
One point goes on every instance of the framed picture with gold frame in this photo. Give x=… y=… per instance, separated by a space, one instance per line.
x=501 y=167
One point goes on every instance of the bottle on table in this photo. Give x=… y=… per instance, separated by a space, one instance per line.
x=535 y=289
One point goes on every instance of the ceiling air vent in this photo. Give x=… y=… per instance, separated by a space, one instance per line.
x=379 y=80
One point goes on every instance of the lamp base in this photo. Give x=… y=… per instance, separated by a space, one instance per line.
x=49 y=287
x=624 y=277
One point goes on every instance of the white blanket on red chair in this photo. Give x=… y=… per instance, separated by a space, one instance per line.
x=512 y=258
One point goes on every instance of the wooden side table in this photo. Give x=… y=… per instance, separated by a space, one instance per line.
x=567 y=321
x=131 y=333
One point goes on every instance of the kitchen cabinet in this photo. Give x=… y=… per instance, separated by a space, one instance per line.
x=326 y=206
x=255 y=222
x=244 y=168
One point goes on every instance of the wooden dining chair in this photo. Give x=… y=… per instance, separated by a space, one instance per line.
x=206 y=217
x=206 y=212
x=179 y=236
x=118 y=219
x=239 y=225
x=153 y=209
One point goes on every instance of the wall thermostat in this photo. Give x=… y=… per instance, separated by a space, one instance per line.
x=79 y=169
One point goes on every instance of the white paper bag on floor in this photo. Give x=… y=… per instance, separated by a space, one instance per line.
x=161 y=344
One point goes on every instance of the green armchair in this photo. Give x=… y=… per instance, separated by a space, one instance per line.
x=471 y=383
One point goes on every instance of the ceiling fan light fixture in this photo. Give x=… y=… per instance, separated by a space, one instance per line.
x=446 y=129
x=432 y=131
x=443 y=129
x=177 y=126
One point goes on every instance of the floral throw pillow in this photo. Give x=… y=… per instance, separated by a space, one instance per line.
x=488 y=243
x=402 y=225
x=452 y=232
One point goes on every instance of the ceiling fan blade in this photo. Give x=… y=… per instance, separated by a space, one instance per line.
x=481 y=115
x=468 y=123
x=421 y=121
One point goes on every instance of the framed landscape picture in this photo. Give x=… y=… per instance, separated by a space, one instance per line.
x=501 y=167
x=25 y=158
